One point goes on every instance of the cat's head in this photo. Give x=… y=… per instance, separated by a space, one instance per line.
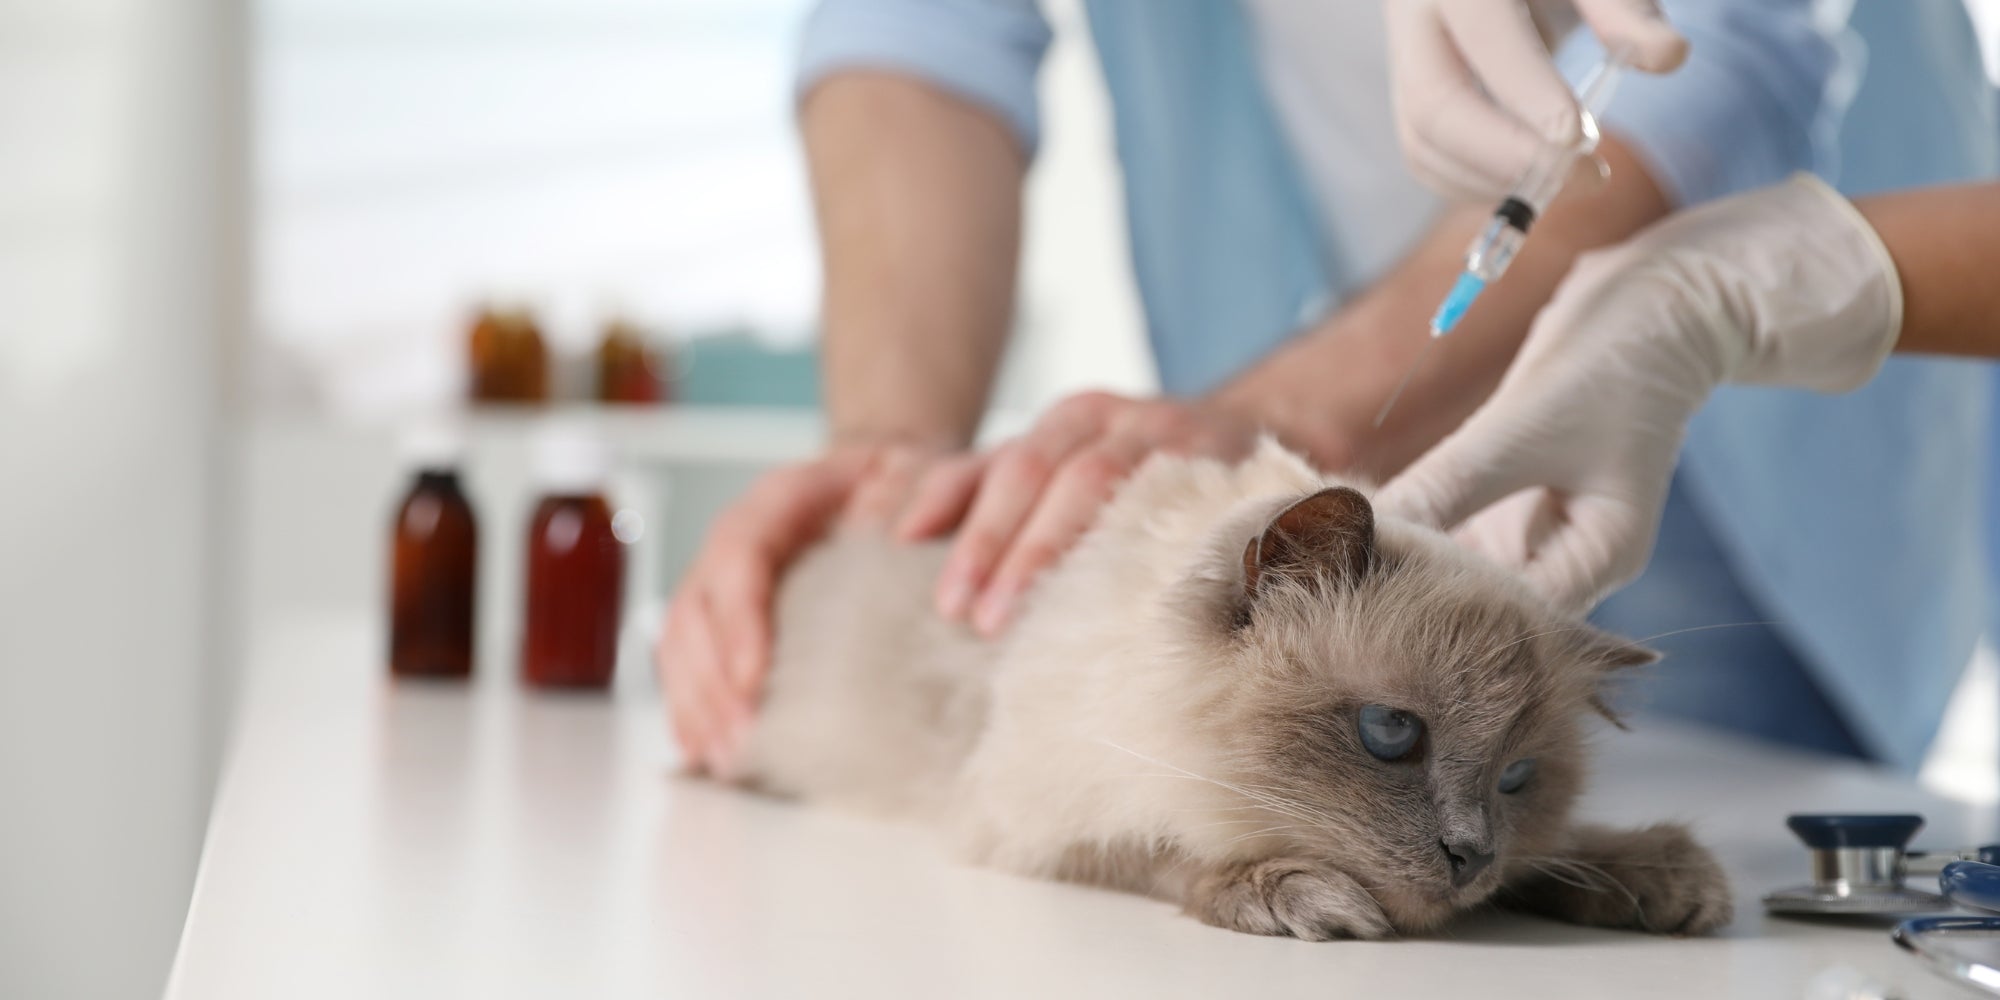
x=1415 y=714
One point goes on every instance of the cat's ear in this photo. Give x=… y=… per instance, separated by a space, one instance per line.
x=1601 y=653
x=1328 y=534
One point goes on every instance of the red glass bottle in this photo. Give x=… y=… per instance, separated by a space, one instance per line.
x=628 y=370
x=576 y=573
x=434 y=578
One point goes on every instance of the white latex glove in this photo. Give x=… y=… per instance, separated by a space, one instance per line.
x=1783 y=286
x=1477 y=94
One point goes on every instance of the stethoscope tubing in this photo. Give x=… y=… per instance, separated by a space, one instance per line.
x=1968 y=883
x=1973 y=884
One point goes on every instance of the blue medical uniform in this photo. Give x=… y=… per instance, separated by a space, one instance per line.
x=1852 y=522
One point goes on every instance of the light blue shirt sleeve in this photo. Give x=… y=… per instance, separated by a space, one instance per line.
x=1758 y=98
x=986 y=51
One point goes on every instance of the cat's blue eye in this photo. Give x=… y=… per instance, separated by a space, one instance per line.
x=1389 y=733
x=1516 y=775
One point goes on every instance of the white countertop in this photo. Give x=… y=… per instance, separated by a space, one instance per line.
x=373 y=839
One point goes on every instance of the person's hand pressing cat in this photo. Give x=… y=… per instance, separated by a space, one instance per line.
x=1018 y=507
x=716 y=649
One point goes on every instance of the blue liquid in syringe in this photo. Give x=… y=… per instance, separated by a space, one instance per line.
x=1463 y=292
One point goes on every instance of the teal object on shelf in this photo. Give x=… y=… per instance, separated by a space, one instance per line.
x=738 y=369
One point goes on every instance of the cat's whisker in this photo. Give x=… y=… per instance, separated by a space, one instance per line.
x=1588 y=871
x=1574 y=873
x=1567 y=880
x=1536 y=635
x=1304 y=810
x=1244 y=820
x=1316 y=822
x=1622 y=863
x=1280 y=806
x=1279 y=793
x=1704 y=628
x=1641 y=640
x=1266 y=832
x=1582 y=866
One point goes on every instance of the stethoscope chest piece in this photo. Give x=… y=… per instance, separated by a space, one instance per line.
x=1857 y=868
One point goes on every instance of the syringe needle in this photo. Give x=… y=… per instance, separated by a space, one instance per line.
x=1415 y=364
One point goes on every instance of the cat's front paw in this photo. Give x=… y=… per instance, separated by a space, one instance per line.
x=1680 y=886
x=1655 y=879
x=1304 y=899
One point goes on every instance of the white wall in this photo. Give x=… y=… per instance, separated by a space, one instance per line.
x=112 y=162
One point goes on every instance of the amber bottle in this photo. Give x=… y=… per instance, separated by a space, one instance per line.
x=576 y=573
x=627 y=369
x=508 y=359
x=433 y=580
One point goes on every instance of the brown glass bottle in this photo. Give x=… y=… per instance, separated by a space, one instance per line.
x=434 y=576
x=509 y=361
x=576 y=582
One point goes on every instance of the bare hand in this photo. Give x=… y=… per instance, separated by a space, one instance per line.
x=1019 y=507
x=716 y=650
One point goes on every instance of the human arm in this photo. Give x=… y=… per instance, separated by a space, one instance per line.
x=1753 y=85
x=918 y=197
x=1944 y=242
x=1018 y=508
x=918 y=124
x=1320 y=392
x=1788 y=286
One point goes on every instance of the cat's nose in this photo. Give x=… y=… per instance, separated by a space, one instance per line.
x=1467 y=859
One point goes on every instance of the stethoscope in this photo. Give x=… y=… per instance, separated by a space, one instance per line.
x=1859 y=864
x=1946 y=942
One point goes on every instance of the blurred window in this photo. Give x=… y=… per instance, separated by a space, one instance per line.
x=414 y=157
x=1986 y=21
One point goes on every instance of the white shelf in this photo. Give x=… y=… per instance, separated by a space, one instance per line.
x=674 y=434
x=669 y=434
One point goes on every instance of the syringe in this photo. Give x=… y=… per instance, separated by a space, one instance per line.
x=1495 y=246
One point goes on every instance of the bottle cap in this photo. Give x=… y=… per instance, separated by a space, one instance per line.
x=432 y=446
x=571 y=460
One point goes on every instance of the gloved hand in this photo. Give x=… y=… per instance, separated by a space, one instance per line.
x=1784 y=286
x=1477 y=94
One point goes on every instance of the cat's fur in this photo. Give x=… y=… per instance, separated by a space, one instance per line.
x=1174 y=713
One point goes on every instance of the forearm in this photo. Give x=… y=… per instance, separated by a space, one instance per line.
x=1321 y=392
x=918 y=199
x=1944 y=241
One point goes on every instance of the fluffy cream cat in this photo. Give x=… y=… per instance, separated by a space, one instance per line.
x=1240 y=693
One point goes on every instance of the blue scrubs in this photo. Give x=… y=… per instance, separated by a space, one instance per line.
x=1854 y=524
